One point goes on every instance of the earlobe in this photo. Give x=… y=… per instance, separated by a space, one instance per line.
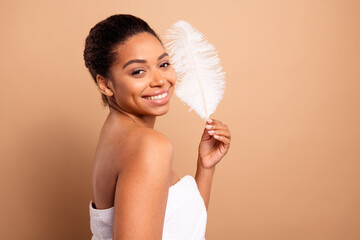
x=104 y=86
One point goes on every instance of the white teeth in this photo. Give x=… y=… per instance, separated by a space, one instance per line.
x=157 y=96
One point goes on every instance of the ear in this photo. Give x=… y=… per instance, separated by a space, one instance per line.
x=104 y=86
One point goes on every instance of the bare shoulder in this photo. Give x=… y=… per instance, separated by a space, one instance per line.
x=142 y=186
x=147 y=139
x=128 y=145
x=148 y=148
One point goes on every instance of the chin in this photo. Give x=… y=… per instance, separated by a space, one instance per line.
x=161 y=114
x=162 y=111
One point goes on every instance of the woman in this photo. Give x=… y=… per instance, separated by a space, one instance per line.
x=136 y=194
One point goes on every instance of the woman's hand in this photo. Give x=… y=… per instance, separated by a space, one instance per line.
x=214 y=144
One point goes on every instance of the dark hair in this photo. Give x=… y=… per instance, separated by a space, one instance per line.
x=104 y=37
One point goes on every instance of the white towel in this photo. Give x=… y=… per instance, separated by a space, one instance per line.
x=185 y=216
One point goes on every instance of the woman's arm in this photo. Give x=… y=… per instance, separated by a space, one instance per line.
x=214 y=144
x=204 y=177
x=142 y=189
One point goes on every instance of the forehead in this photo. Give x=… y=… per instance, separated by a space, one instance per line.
x=140 y=46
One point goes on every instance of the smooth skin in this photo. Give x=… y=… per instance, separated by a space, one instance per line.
x=133 y=162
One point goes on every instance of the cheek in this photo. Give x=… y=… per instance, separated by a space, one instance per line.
x=131 y=87
x=171 y=76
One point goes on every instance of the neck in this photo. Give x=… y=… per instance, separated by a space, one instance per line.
x=144 y=121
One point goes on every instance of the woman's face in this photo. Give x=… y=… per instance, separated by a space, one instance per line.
x=142 y=78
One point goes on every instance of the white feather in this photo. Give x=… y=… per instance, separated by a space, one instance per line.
x=200 y=79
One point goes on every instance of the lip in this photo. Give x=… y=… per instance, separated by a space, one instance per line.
x=158 y=102
x=158 y=92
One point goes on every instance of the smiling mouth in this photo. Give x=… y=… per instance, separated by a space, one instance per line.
x=157 y=97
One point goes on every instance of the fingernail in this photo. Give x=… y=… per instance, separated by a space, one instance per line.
x=211 y=132
x=209 y=120
x=208 y=126
x=216 y=136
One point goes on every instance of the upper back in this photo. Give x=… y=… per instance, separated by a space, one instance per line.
x=118 y=143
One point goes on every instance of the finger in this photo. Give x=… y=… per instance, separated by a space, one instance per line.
x=213 y=121
x=220 y=132
x=205 y=135
x=216 y=125
x=223 y=139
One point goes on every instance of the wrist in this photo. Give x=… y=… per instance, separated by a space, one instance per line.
x=205 y=169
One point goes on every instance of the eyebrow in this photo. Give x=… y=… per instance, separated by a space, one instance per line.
x=143 y=61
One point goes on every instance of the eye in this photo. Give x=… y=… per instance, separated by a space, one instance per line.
x=137 y=72
x=165 y=64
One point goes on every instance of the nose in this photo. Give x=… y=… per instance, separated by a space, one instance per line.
x=158 y=79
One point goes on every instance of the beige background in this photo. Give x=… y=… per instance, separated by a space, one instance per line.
x=292 y=102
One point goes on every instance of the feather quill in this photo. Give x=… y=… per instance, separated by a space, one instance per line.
x=201 y=81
